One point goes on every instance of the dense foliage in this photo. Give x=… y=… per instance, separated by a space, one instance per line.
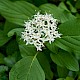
x=57 y=61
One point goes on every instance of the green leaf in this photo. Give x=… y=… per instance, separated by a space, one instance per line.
x=63 y=7
x=69 y=78
x=77 y=4
x=65 y=59
x=17 y=12
x=8 y=26
x=60 y=79
x=16 y=30
x=1 y=58
x=27 y=50
x=69 y=43
x=52 y=47
x=77 y=54
x=3 y=38
x=58 y=13
x=71 y=7
x=3 y=68
x=10 y=61
x=27 y=68
x=35 y=2
x=78 y=15
x=70 y=28
x=62 y=71
x=12 y=47
x=73 y=74
x=45 y=65
x=1 y=25
x=39 y=2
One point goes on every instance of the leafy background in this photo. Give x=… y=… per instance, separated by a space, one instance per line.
x=58 y=61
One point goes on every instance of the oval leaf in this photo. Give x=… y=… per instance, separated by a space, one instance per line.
x=70 y=28
x=27 y=68
x=17 y=12
x=64 y=58
x=69 y=43
x=16 y=30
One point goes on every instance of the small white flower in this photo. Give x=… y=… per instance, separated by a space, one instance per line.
x=40 y=29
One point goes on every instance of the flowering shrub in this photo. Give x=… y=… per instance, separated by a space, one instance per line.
x=39 y=39
x=40 y=29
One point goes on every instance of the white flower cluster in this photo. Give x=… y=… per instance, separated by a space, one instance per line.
x=40 y=29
